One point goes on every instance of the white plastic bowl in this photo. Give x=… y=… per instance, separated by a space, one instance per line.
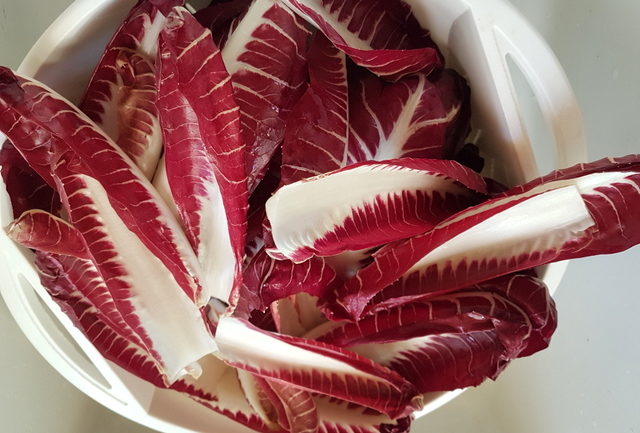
x=477 y=37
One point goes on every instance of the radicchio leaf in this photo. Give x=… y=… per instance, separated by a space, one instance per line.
x=516 y=299
x=316 y=136
x=223 y=389
x=381 y=35
x=298 y=314
x=121 y=94
x=531 y=295
x=221 y=17
x=204 y=151
x=446 y=361
x=134 y=241
x=42 y=231
x=418 y=117
x=256 y=217
x=338 y=416
x=26 y=188
x=459 y=339
x=610 y=189
x=79 y=289
x=267 y=280
x=457 y=312
x=316 y=367
x=260 y=397
x=295 y=408
x=494 y=238
x=265 y=56
x=144 y=290
x=368 y=204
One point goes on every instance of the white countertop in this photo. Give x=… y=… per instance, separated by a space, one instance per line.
x=585 y=382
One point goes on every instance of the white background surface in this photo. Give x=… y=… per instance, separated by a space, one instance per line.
x=586 y=382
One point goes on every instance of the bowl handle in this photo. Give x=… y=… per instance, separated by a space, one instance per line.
x=54 y=336
x=515 y=38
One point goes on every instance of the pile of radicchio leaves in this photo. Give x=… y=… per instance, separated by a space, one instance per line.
x=269 y=206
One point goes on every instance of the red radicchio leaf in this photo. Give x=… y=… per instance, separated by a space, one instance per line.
x=295 y=407
x=265 y=56
x=317 y=129
x=121 y=93
x=532 y=296
x=610 y=189
x=381 y=35
x=518 y=298
x=221 y=17
x=485 y=241
x=42 y=231
x=26 y=188
x=368 y=204
x=204 y=151
x=448 y=361
x=261 y=398
x=458 y=339
x=316 y=367
x=267 y=280
x=78 y=288
x=417 y=117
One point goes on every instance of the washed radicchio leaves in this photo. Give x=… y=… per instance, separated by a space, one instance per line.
x=579 y=202
x=134 y=242
x=433 y=342
x=271 y=208
x=470 y=247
